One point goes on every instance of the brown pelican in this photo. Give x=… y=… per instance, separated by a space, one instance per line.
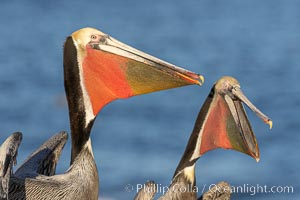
x=8 y=154
x=41 y=162
x=97 y=70
x=147 y=192
x=220 y=191
x=222 y=123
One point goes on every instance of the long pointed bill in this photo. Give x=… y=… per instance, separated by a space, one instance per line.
x=223 y=123
x=116 y=47
x=114 y=70
x=239 y=94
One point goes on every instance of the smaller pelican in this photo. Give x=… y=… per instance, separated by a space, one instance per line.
x=222 y=123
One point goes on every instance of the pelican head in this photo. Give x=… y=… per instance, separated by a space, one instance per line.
x=99 y=69
x=224 y=122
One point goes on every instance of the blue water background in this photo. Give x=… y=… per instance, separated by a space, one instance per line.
x=143 y=138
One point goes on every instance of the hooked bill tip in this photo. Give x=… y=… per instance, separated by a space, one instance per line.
x=270 y=122
x=201 y=79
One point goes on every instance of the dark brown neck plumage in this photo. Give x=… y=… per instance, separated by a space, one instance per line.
x=77 y=112
x=192 y=143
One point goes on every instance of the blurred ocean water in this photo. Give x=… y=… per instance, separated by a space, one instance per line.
x=143 y=138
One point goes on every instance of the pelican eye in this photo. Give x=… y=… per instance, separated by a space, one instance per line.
x=93 y=37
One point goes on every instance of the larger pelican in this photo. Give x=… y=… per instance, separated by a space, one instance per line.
x=97 y=70
x=221 y=123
